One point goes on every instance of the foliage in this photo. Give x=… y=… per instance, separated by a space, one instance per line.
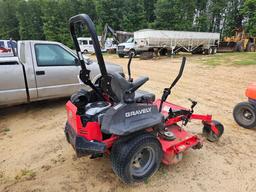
x=174 y=14
x=48 y=19
x=249 y=10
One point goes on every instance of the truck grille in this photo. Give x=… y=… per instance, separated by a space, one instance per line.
x=121 y=48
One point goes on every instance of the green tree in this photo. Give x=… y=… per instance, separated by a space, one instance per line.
x=175 y=14
x=56 y=14
x=201 y=17
x=134 y=17
x=249 y=11
x=30 y=21
x=233 y=17
x=9 y=25
x=216 y=12
x=149 y=6
x=110 y=12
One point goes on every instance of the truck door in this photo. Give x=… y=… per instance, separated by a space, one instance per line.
x=56 y=71
x=12 y=83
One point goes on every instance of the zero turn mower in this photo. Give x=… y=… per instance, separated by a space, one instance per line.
x=117 y=119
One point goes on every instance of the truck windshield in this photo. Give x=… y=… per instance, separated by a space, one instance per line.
x=1 y=43
x=130 y=40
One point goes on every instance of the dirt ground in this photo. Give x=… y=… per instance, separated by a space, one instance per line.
x=35 y=157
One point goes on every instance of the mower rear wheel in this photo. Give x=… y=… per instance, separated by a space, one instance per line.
x=245 y=115
x=209 y=133
x=136 y=159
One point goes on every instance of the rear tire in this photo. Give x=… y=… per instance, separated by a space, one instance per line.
x=137 y=158
x=245 y=115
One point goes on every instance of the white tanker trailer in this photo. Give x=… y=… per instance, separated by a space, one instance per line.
x=163 y=41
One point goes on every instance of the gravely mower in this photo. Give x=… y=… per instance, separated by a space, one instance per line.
x=135 y=130
x=245 y=112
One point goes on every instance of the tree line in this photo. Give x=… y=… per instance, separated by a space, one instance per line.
x=48 y=19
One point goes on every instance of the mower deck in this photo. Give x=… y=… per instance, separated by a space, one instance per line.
x=173 y=150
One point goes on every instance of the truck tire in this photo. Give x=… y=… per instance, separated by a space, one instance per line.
x=85 y=51
x=239 y=47
x=245 y=115
x=132 y=51
x=250 y=47
x=121 y=55
x=137 y=158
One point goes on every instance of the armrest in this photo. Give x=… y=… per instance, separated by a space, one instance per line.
x=138 y=83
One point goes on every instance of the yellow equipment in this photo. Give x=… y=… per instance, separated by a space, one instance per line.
x=240 y=42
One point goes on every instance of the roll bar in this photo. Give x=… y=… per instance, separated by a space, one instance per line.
x=167 y=91
x=84 y=19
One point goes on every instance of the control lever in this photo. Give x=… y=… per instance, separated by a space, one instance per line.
x=194 y=103
x=130 y=79
x=191 y=111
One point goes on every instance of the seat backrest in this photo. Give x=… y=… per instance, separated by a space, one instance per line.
x=119 y=85
x=125 y=90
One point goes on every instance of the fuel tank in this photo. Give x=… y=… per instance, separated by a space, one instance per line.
x=251 y=91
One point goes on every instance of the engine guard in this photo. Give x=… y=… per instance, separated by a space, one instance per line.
x=81 y=145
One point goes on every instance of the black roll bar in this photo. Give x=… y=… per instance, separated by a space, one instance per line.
x=85 y=19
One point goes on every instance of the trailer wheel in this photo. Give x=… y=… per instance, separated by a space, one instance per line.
x=214 y=50
x=208 y=51
x=163 y=52
x=136 y=159
x=245 y=115
x=209 y=133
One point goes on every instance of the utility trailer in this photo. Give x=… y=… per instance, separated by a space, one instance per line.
x=163 y=41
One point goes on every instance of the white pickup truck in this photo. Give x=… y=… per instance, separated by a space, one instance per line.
x=43 y=70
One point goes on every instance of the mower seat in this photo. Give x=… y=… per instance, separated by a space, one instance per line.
x=125 y=90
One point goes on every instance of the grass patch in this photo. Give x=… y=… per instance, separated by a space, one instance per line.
x=25 y=174
x=2 y=130
x=238 y=59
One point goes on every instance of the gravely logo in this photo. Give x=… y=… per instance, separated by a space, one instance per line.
x=138 y=112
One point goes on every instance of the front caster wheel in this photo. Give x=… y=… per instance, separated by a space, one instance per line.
x=211 y=134
x=136 y=159
x=245 y=115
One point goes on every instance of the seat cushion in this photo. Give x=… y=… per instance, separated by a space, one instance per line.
x=144 y=97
